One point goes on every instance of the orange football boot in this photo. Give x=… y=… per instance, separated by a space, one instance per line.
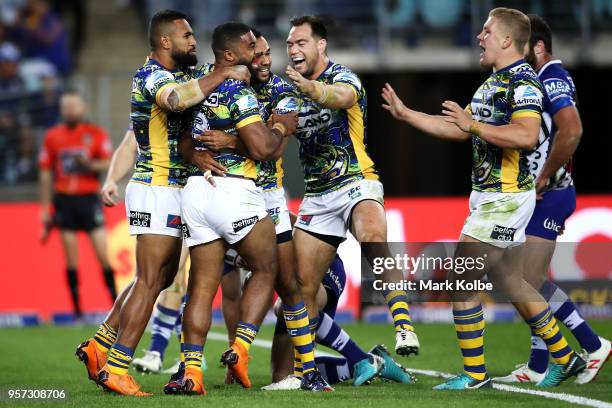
x=119 y=384
x=236 y=359
x=193 y=383
x=93 y=358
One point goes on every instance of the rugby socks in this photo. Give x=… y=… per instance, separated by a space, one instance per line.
x=245 y=334
x=538 y=359
x=334 y=369
x=178 y=325
x=566 y=311
x=105 y=337
x=470 y=325
x=192 y=355
x=333 y=336
x=164 y=321
x=545 y=326
x=296 y=320
x=397 y=300
x=119 y=359
x=73 y=284
x=109 y=280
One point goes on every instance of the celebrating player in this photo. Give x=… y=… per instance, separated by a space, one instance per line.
x=551 y=166
x=161 y=90
x=342 y=187
x=503 y=120
x=233 y=213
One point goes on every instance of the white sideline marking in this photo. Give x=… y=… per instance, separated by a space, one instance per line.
x=573 y=399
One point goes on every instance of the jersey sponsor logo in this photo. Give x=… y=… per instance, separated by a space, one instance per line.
x=501 y=233
x=305 y=219
x=246 y=103
x=527 y=95
x=212 y=100
x=550 y=224
x=335 y=279
x=287 y=105
x=556 y=87
x=315 y=120
x=140 y=219
x=174 y=221
x=481 y=111
x=242 y=224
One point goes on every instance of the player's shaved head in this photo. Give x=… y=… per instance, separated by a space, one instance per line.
x=226 y=35
x=161 y=25
x=515 y=24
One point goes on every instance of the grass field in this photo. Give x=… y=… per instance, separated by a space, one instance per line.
x=42 y=358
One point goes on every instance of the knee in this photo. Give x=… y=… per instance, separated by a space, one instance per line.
x=372 y=235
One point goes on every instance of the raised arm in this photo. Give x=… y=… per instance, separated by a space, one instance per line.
x=333 y=96
x=433 y=125
x=265 y=143
x=180 y=96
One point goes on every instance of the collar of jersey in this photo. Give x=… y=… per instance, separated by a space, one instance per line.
x=509 y=67
x=548 y=64
x=155 y=62
x=329 y=64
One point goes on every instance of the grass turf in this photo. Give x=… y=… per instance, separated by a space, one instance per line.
x=42 y=358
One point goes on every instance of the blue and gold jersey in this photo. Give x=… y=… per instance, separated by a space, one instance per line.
x=511 y=92
x=277 y=94
x=333 y=141
x=157 y=131
x=229 y=107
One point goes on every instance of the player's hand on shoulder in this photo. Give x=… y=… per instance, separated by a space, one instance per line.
x=238 y=73
x=110 y=193
x=288 y=120
x=393 y=103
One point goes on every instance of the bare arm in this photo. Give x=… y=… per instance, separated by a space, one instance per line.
x=120 y=164
x=202 y=159
x=564 y=144
x=521 y=133
x=330 y=96
x=265 y=144
x=431 y=124
x=46 y=185
x=218 y=140
x=181 y=96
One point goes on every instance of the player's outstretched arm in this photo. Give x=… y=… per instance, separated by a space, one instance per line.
x=329 y=96
x=120 y=164
x=521 y=133
x=184 y=95
x=202 y=159
x=218 y=140
x=431 y=124
x=565 y=143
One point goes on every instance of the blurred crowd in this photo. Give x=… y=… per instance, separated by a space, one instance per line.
x=36 y=59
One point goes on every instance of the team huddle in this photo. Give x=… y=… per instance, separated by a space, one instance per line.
x=207 y=141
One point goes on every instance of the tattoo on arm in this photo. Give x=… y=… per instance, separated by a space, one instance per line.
x=173 y=101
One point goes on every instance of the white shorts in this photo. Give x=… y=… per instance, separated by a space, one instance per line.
x=330 y=213
x=153 y=209
x=499 y=219
x=276 y=205
x=228 y=211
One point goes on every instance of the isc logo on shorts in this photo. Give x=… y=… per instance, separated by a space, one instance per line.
x=354 y=192
x=140 y=219
x=503 y=233
x=241 y=224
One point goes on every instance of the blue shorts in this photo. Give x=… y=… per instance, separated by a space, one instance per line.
x=334 y=282
x=551 y=212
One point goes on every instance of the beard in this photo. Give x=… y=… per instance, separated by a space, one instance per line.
x=531 y=58
x=184 y=59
